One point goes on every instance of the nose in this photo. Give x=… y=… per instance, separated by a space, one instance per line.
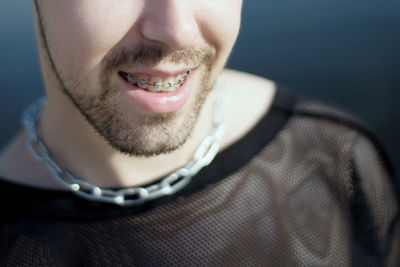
x=171 y=22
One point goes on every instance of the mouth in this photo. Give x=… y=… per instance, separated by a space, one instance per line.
x=159 y=92
x=155 y=84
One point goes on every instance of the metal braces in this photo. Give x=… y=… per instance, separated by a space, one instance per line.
x=129 y=77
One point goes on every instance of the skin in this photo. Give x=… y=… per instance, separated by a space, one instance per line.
x=84 y=73
x=77 y=39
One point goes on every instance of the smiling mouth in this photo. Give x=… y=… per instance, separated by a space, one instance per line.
x=155 y=84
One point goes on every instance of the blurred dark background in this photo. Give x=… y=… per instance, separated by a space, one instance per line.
x=346 y=53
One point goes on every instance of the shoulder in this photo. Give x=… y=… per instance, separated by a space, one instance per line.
x=342 y=129
x=323 y=144
x=249 y=100
x=18 y=166
x=322 y=159
x=332 y=130
x=339 y=149
x=241 y=79
x=248 y=88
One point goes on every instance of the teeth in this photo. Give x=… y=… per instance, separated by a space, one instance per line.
x=180 y=79
x=130 y=78
x=156 y=84
x=142 y=83
x=170 y=85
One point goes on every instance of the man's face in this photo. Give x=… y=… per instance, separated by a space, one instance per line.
x=138 y=70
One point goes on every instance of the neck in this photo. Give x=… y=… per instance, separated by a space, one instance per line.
x=75 y=146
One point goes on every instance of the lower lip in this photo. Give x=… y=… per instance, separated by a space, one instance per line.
x=160 y=103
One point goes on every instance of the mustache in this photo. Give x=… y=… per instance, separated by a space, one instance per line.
x=150 y=55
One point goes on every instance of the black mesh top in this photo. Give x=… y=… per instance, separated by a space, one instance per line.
x=308 y=186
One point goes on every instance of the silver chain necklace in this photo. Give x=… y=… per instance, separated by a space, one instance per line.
x=169 y=185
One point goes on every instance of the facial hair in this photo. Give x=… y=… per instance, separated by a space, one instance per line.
x=148 y=134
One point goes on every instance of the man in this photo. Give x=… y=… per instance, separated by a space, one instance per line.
x=116 y=167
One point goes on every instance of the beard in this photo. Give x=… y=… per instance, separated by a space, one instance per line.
x=111 y=115
x=143 y=134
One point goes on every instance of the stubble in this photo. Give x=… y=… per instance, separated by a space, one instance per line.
x=151 y=134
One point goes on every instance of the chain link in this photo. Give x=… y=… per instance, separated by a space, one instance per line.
x=133 y=195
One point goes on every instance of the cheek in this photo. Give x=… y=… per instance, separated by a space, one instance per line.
x=80 y=32
x=220 y=23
